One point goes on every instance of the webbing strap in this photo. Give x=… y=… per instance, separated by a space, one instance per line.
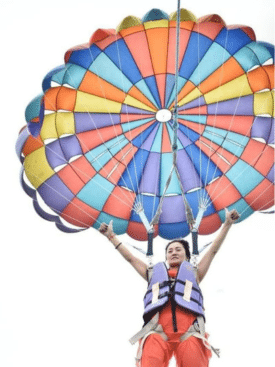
x=175 y=116
x=155 y=220
x=138 y=208
x=205 y=341
x=150 y=244
x=188 y=210
x=195 y=250
x=175 y=137
x=151 y=327
x=197 y=330
x=177 y=54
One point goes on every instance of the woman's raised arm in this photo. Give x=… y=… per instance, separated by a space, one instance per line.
x=205 y=262
x=137 y=264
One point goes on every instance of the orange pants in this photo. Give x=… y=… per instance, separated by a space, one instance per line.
x=190 y=353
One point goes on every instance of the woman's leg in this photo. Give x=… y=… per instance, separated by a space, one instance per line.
x=156 y=352
x=192 y=353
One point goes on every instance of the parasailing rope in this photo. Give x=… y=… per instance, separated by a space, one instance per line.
x=193 y=224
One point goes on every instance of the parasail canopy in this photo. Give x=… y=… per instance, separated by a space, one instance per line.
x=99 y=140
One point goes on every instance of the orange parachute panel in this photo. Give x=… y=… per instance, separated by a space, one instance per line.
x=252 y=152
x=217 y=189
x=210 y=224
x=262 y=197
x=32 y=144
x=80 y=214
x=228 y=71
x=97 y=86
x=93 y=138
x=120 y=203
x=258 y=79
x=237 y=124
x=158 y=43
x=138 y=46
x=83 y=169
x=269 y=69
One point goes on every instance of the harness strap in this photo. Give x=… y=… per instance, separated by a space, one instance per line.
x=151 y=327
x=197 y=330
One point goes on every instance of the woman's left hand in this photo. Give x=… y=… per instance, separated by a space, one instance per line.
x=231 y=216
x=107 y=230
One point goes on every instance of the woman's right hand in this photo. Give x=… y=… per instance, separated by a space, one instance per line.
x=138 y=265
x=107 y=230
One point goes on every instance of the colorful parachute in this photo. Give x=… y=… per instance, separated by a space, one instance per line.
x=99 y=138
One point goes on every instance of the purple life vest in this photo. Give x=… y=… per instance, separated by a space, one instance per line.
x=185 y=291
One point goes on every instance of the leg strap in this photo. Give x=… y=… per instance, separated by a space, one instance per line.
x=152 y=327
x=198 y=330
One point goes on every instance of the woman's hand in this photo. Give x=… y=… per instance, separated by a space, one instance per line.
x=107 y=230
x=231 y=216
x=138 y=265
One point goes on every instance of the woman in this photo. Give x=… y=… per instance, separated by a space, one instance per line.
x=174 y=313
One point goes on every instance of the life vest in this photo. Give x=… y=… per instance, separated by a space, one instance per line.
x=184 y=290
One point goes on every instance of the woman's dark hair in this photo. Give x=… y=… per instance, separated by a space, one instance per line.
x=185 y=245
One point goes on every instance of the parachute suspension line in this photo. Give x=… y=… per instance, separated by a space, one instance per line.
x=200 y=192
x=155 y=220
x=41 y=211
x=188 y=209
x=139 y=209
x=77 y=170
x=206 y=198
x=224 y=138
x=31 y=193
x=111 y=118
x=215 y=119
x=193 y=224
x=271 y=211
x=202 y=205
x=230 y=161
x=123 y=84
x=175 y=112
x=189 y=213
x=110 y=115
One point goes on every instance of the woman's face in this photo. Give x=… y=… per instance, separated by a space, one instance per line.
x=175 y=254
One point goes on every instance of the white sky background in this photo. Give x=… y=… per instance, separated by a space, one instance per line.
x=71 y=300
